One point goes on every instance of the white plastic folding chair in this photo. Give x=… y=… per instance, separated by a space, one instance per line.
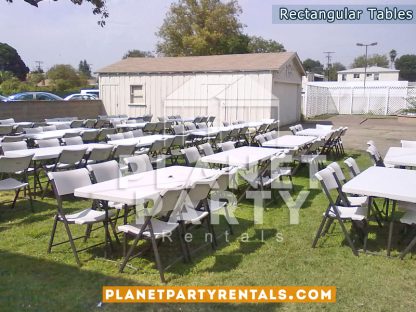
x=64 y=183
x=152 y=227
x=206 y=149
x=14 y=177
x=353 y=168
x=13 y=146
x=116 y=136
x=90 y=136
x=340 y=210
x=99 y=154
x=192 y=155
x=6 y=129
x=137 y=133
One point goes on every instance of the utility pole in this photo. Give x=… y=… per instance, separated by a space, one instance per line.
x=328 y=63
x=39 y=66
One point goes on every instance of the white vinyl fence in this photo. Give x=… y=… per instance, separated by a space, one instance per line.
x=377 y=100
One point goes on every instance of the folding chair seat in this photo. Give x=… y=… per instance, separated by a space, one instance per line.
x=340 y=210
x=64 y=184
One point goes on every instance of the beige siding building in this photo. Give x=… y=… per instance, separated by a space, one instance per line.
x=230 y=87
x=373 y=73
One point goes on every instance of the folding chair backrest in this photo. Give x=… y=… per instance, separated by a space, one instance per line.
x=102 y=136
x=6 y=129
x=227 y=146
x=336 y=168
x=149 y=127
x=206 y=149
x=77 y=124
x=89 y=135
x=262 y=128
x=128 y=135
x=268 y=136
x=137 y=133
x=299 y=127
x=168 y=201
x=71 y=156
x=323 y=127
x=65 y=182
x=90 y=123
x=49 y=128
x=116 y=136
x=139 y=163
x=327 y=179
x=410 y=144
x=274 y=134
x=33 y=130
x=352 y=166
x=191 y=155
x=200 y=190
x=63 y=126
x=260 y=139
x=375 y=156
x=293 y=130
x=160 y=126
x=101 y=123
x=76 y=140
x=190 y=126
x=100 y=154
x=105 y=171
x=48 y=143
x=179 y=141
x=211 y=119
x=201 y=125
x=13 y=138
x=12 y=164
x=124 y=150
x=225 y=123
x=13 y=146
x=156 y=148
x=179 y=129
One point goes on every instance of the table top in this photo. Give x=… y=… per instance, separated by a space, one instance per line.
x=59 y=123
x=401 y=156
x=45 y=153
x=289 y=141
x=246 y=156
x=55 y=134
x=135 y=125
x=141 y=141
x=135 y=188
x=392 y=183
x=314 y=132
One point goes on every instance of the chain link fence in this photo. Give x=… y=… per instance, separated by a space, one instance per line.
x=383 y=100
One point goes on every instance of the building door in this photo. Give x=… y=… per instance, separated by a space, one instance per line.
x=110 y=96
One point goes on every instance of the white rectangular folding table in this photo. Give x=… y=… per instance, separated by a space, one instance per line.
x=289 y=141
x=314 y=132
x=55 y=134
x=137 y=188
x=46 y=153
x=143 y=141
x=135 y=125
x=243 y=157
x=391 y=183
x=401 y=156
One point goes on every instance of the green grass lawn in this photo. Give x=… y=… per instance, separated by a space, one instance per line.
x=33 y=280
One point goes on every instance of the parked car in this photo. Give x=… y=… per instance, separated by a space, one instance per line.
x=3 y=98
x=95 y=92
x=79 y=97
x=34 y=96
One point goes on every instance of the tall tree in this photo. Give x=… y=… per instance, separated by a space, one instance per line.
x=64 y=77
x=10 y=61
x=393 y=55
x=261 y=45
x=202 y=27
x=334 y=69
x=84 y=69
x=379 y=60
x=137 y=53
x=407 y=66
x=99 y=7
x=313 y=66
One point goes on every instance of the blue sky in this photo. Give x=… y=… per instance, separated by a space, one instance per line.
x=63 y=33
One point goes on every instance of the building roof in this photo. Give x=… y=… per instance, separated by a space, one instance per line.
x=211 y=63
x=371 y=69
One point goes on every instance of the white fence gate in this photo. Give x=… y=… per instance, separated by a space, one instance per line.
x=383 y=100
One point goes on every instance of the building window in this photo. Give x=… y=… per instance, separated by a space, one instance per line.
x=344 y=77
x=376 y=76
x=369 y=75
x=356 y=75
x=137 y=94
